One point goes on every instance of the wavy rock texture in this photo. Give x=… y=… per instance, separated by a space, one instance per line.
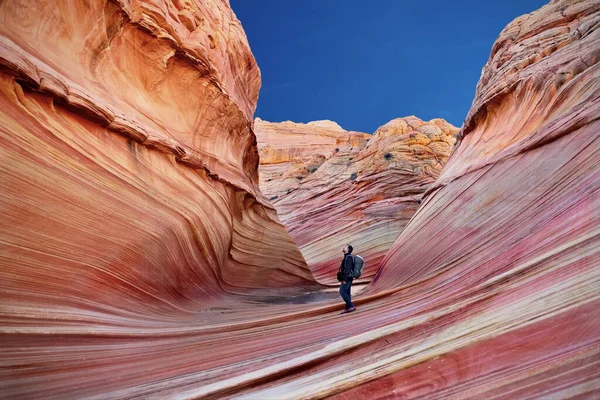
x=512 y=226
x=128 y=184
x=333 y=187
x=141 y=124
x=491 y=291
x=289 y=151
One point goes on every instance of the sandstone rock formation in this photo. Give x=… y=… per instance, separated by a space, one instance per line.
x=138 y=116
x=510 y=230
x=110 y=243
x=128 y=176
x=491 y=291
x=290 y=151
x=332 y=187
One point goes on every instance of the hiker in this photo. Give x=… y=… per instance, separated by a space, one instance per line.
x=345 y=276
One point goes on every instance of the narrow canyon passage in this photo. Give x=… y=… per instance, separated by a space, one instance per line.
x=333 y=187
x=142 y=257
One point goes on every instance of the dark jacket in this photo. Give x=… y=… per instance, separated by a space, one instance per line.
x=347 y=266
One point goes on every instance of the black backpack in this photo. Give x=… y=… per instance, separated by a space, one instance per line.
x=359 y=263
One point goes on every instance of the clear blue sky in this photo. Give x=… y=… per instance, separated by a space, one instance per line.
x=362 y=63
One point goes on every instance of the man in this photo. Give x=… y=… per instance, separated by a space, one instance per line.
x=345 y=277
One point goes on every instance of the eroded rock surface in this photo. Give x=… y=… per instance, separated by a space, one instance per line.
x=511 y=227
x=128 y=178
x=333 y=187
x=491 y=291
x=290 y=151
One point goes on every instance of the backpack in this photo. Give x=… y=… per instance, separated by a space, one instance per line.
x=359 y=263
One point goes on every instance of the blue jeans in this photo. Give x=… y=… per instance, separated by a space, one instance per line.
x=345 y=293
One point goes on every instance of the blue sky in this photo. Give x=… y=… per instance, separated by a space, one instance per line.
x=363 y=63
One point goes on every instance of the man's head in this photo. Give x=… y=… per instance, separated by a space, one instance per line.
x=347 y=249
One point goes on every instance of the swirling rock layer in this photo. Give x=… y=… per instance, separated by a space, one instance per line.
x=128 y=181
x=512 y=224
x=333 y=187
x=118 y=232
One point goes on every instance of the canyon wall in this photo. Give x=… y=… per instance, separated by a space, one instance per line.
x=512 y=225
x=491 y=290
x=128 y=165
x=125 y=223
x=332 y=187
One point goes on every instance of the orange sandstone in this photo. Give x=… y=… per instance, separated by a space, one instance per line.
x=333 y=187
x=131 y=215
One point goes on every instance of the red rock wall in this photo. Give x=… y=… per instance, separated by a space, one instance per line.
x=511 y=227
x=491 y=291
x=333 y=187
x=522 y=184
x=128 y=162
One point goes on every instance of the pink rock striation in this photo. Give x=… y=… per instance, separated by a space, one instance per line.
x=128 y=177
x=332 y=187
x=511 y=226
x=115 y=246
